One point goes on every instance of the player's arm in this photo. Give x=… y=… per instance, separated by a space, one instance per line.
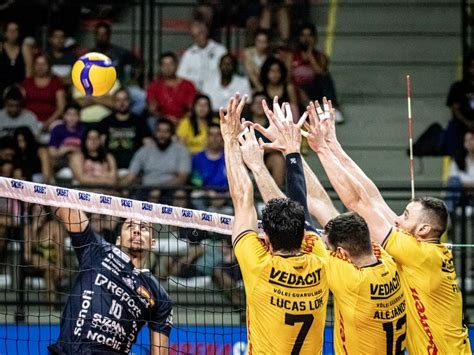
x=159 y=343
x=75 y=221
x=350 y=191
x=252 y=154
x=353 y=169
x=240 y=186
x=319 y=202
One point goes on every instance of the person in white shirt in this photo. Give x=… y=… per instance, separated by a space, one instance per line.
x=201 y=61
x=221 y=87
x=461 y=174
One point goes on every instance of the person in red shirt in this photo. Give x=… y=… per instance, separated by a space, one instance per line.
x=44 y=93
x=169 y=96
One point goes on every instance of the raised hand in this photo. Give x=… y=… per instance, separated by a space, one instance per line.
x=230 y=121
x=286 y=133
x=316 y=126
x=252 y=152
x=329 y=122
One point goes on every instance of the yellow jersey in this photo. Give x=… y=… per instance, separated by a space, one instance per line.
x=194 y=143
x=286 y=299
x=369 y=304
x=434 y=302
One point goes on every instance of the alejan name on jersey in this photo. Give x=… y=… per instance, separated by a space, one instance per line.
x=290 y=280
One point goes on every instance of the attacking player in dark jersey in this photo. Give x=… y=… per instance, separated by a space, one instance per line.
x=112 y=296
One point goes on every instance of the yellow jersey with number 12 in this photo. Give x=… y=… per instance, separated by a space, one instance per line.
x=434 y=302
x=286 y=299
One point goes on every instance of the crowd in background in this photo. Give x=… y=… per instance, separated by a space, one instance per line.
x=163 y=135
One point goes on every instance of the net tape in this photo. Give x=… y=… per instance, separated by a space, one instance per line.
x=56 y=196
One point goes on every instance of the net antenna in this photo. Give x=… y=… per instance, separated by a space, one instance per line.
x=410 y=137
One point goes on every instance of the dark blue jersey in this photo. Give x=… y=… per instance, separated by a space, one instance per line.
x=110 y=301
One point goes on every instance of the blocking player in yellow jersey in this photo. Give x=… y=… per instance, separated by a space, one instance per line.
x=428 y=277
x=369 y=303
x=286 y=290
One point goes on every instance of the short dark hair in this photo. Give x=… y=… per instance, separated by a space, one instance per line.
x=55 y=29
x=233 y=58
x=12 y=92
x=170 y=55
x=308 y=26
x=122 y=89
x=74 y=105
x=262 y=31
x=103 y=24
x=349 y=231
x=435 y=213
x=283 y=221
x=167 y=122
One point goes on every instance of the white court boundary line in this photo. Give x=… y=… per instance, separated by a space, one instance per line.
x=57 y=196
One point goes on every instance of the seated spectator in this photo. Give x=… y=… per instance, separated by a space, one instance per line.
x=461 y=174
x=276 y=11
x=93 y=165
x=309 y=69
x=16 y=59
x=227 y=275
x=274 y=79
x=208 y=172
x=255 y=56
x=61 y=59
x=167 y=163
x=136 y=91
x=43 y=252
x=44 y=93
x=95 y=108
x=461 y=102
x=274 y=161
x=122 y=132
x=200 y=61
x=192 y=130
x=14 y=115
x=7 y=150
x=32 y=159
x=220 y=88
x=122 y=58
x=66 y=139
x=170 y=96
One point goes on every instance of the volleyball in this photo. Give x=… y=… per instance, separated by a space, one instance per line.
x=93 y=74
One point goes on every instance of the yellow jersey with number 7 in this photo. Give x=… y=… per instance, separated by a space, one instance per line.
x=286 y=299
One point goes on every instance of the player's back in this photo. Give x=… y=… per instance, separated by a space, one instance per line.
x=434 y=301
x=286 y=299
x=369 y=306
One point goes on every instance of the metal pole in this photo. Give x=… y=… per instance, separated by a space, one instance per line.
x=151 y=42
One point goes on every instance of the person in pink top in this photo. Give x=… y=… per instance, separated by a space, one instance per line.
x=93 y=165
x=170 y=96
x=44 y=93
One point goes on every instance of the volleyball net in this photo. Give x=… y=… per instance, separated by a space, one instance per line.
x=192 y=258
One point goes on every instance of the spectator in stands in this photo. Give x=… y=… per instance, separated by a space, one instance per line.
x=461 y=173
x=220 y=88
x=170 y=96
x=14 y=115
x=255 y=56
x=274 y=79
x=208 y=172
x=122 y=132
x=200 y=61
x=280 y=11
x=95 y=108
x=43 y=250
x=32 y=159
x=66 y=139
x=167 y=163
x=16 y=58
x=274 y=161
x=192 y=130
x=461 y=102
x=309 y=69
x=135 y=89
x=93 y=165
x=61 y=59
x=7 y=149
x=122 y=58
x=227 y=275
x=44 y=93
